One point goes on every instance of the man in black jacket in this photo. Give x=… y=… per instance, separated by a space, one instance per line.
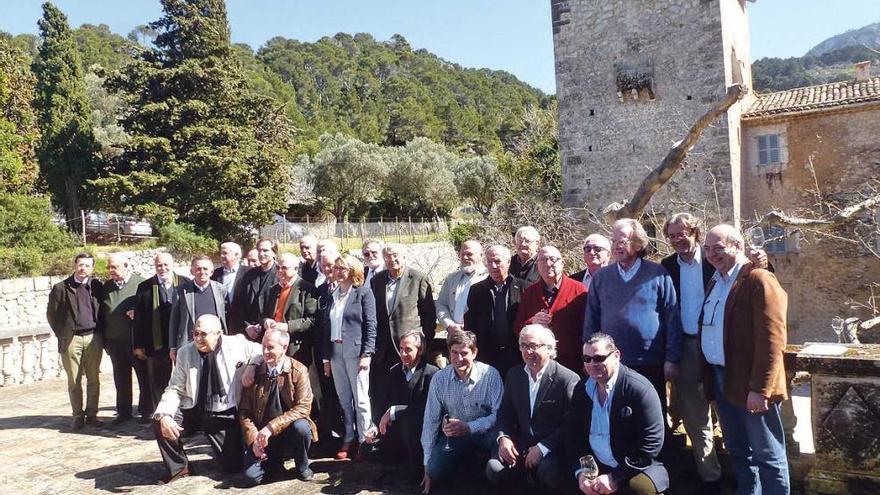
x=73 y=316
x=492 y=304
x=253 y=291
x=615 y=417
x=530 y=420
x=230 y=274
x=403 y=402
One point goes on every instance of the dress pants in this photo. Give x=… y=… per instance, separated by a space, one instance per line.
x=292 y=443
x=756 y=443
x=546 y=477
x=221 y=428
x=123 y=359
x=83 y=357
x=695 y=412
x=443 y=464
x=353 y=388
x=159 y=373
x=404 y=440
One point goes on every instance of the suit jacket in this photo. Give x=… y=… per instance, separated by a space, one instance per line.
x=754 y=338
x=143 y=316
x=296 y=397
x=251 y=299
x=358 y=325
x=567 y=314
x=413 y=309
x=636 y=423
x=113 y=322
x=411 y=395
x=671 y=264
x=182 y=391
x=545 y=424
x=480 y=319
x=446 y=300
x=217 y=276
x=516 y=269
x=300 y=312
x=309 y=271
x=62 y=308
x=183 y=311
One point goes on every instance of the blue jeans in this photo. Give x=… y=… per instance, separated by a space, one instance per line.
x=756 y=444
x=293 y=443
x=442 y=463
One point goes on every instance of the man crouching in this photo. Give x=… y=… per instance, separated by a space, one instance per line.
x=274 y=413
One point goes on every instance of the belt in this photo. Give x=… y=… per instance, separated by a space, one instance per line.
x=87 y=331
x=339 y=341
x=689 y=336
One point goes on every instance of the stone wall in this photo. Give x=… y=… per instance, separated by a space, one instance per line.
x=682 y=54
x=820 y=274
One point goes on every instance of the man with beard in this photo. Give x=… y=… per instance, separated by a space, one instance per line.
x=452 y=302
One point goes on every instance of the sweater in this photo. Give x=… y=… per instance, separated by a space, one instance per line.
x=640 y=315
x=566 y=312
x=113 y=305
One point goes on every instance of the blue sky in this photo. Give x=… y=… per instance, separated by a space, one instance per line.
x=512 y=35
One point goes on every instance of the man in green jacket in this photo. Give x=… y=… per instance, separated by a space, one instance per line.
x=73 y=316
x=116 y=322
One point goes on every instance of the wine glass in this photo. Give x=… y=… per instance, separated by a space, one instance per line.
x=756 y=237
x=446 y=447
x=589 y=467
x=371 y=438
x=837 y=325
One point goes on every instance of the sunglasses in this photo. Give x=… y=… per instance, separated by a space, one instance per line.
x=593 y=249
x=598 y=358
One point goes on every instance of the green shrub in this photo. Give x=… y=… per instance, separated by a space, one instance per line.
x=26 y=221
x=462 y=232
x=182 y=240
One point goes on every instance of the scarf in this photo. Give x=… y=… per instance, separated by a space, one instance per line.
x=157 y=313
x=211 y=386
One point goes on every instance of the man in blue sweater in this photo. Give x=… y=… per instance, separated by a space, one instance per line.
x=634 y=302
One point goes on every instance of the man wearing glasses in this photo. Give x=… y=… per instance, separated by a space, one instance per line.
x=597 y=253
x=533 y=408
x=615 y=417
x=742 y=338
x=202 y=395
x=372 y=251
x=557 y=302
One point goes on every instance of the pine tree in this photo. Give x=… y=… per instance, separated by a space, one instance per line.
x=18 y=127
x=204 y=149
x=67 y=148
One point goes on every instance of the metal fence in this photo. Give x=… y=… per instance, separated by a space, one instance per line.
x=409 y=230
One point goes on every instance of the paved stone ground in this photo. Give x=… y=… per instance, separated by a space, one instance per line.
x=40 y=455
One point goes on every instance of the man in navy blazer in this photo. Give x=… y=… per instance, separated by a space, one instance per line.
x=530 y=420
x=615 y=417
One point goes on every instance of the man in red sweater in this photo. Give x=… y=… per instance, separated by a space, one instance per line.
x=557 y=302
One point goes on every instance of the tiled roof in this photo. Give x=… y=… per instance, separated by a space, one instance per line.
x=815 y=97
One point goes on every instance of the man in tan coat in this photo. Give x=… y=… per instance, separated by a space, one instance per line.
x=274 y=413
x=742 y=337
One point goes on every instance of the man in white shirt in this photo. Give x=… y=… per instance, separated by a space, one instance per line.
x=228 y=274
x=452 y=302
x=597 y=254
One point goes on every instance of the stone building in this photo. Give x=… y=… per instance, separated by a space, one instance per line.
x=633 y=75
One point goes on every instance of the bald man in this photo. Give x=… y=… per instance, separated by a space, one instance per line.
x=597 y=254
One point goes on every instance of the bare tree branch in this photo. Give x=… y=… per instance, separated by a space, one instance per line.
x=779 y=217
x=674 y=160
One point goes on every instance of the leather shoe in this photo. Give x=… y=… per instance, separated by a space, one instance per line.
x=183 y=473
x=342 y=453
x=118 y=420
x=77 y=423
x=94 y=421
x=306 y=474
x=143 y=420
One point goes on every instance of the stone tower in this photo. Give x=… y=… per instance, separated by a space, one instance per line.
x=632 y=76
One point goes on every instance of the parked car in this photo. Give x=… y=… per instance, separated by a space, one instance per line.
x=134 y=226
x=283 y=230
x=99 y=222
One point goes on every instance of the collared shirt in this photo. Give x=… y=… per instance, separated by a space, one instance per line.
x=462 y=291
x=712 y=340
x=627 y=275
x=166 y=283
x=201 y=288
x=407 y=375
x=534 y=385
x=391 y=292
x=587 y=279
x=692 y=292
x=336 y=310
x=78 y=281
x=600 y=424
x=474 y=400
x=218 y=403
x=121 y=283
x=228 y=280
x=550 y=293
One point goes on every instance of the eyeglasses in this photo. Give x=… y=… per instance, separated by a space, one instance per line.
x=706 y=313
x=679 y=235
x=594 y=249
x=530 y=347
x=621 y=242
x=550 y=260
x=202 y=335
x=598 y=358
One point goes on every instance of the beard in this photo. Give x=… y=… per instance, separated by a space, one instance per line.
x=469 y=269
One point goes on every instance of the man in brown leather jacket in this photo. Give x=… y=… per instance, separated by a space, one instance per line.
x=274 y=413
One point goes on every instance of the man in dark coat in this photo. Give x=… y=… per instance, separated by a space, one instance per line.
x=250 y=301
x=230 y=273
x=73 y=316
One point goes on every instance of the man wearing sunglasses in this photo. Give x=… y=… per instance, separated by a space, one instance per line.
x=615 y=417
x=597 y=254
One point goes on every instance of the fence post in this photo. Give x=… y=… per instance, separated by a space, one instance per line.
x=382 y=224
x=412 y=238
x=118 y=231
x=308 y=228
x=363 y=226
x=82 y=214
x=397 y=228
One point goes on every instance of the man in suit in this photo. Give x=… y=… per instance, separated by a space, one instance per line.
x=403 y=302
x=252 y=260
x=452 y=301
x=531 y=417
x=556 y=302
x=293 y=306
x=308 y=251
x=230 y=274
x=615 y=417
x=372 y=252
x=690 y=273
x=491 y=309
x=403 y=403
x=155 y=297
x=202 y=395
x=522 y=265
x=742 y=339
x=116 y=310
x=597 y=253
x=72 y=312
x=250 y=301
x=274 y=413
x=196 y=297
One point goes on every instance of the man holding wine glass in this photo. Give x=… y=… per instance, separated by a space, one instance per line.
x=616 y=422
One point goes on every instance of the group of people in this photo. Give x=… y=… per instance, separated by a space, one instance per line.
x=555 y=382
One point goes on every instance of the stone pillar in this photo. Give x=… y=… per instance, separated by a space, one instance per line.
x=845 y=403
